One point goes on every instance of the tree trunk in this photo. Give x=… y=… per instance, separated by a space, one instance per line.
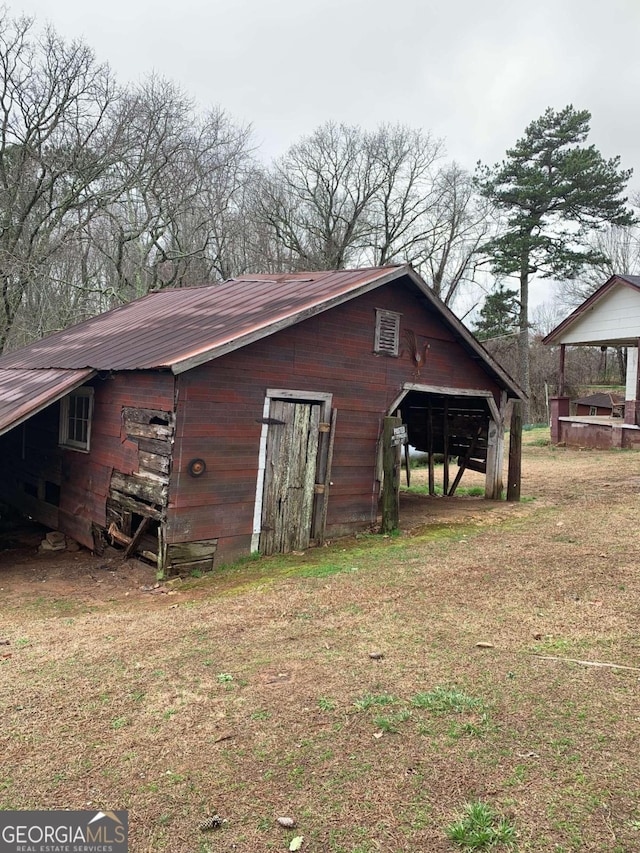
x=523 y=336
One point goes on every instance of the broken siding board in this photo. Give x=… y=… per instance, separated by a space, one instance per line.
x=153 y=417
x=184 y=568
x=153 y=491
x=192 y=551
x=157 y=446
x=155 y=431
x=126 y=501
x=154 y=462
x=120 y=517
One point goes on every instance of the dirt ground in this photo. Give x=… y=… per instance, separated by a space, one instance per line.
x=26 y=574
x=303 y=686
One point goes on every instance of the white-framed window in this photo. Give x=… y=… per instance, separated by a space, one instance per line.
x=387 y=336
x=76 y=411
x=593 y=410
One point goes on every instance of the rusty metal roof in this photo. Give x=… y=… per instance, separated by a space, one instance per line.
x=25 y=392
x=182 y=328
x=191 y=325
x=603 y=400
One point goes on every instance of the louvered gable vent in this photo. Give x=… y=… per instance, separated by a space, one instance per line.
x=387 y=336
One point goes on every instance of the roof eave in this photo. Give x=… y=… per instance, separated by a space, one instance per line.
x=555 y=335
x=84 y=375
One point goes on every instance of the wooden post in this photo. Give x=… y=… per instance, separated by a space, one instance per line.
x=561 y=377
x=515 y=453
x=493 y=476
x=445 y=442
x=391 y=476
x=327 y=463
x=432 y=483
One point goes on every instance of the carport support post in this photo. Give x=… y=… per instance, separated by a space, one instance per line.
x=562 y=369
x=391 y=476
x=515 y=452
x=495 y=452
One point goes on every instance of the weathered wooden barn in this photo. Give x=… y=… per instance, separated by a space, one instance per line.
x=200 y=424
x=610 y=317
x=603 y=404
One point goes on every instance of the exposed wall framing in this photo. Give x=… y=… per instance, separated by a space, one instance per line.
x=137 y=502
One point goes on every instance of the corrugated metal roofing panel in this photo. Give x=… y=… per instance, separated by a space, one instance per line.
x=182 y=328
x=169 y=326
x=25 y=392
x=601 y=400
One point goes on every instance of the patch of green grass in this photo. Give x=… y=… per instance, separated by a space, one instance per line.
x=480 y=828
x=477 y=729
x=326 y=704
x=371 y=700
x=423 y=489
x=224 y=678
x=321 y=570
x=261 y=715
x=389 y=723
x=553 y=645
x=542 y=441
x=443 y=699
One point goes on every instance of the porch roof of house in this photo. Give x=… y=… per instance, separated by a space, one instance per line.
x=609 y=317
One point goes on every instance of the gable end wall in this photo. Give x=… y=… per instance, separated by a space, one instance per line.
x=220 y=407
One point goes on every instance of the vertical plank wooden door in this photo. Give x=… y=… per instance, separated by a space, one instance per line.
x=290 y=475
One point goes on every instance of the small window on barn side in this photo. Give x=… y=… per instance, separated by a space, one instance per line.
x=76 y=410
x=593 y=410
x=387 y=337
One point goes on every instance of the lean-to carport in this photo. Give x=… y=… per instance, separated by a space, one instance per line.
x=464 y=424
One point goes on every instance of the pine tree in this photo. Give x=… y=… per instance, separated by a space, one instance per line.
x=499 y=314
x=553 y=191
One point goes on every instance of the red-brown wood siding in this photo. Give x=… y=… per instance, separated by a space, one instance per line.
x=601 y=411
x=220 y=406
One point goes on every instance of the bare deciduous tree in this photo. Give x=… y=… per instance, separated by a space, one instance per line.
x=460 y=223
x=618 y=248
x=317 y=198
x=56 y=142
x=400 y=212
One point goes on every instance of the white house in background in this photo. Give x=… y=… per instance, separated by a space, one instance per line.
x=610 y=317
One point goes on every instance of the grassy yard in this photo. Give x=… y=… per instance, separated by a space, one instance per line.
x=345 y=688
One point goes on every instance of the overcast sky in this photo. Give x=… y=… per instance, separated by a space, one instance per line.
x=473 y=72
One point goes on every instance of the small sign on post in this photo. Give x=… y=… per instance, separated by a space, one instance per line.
x=399 y=435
